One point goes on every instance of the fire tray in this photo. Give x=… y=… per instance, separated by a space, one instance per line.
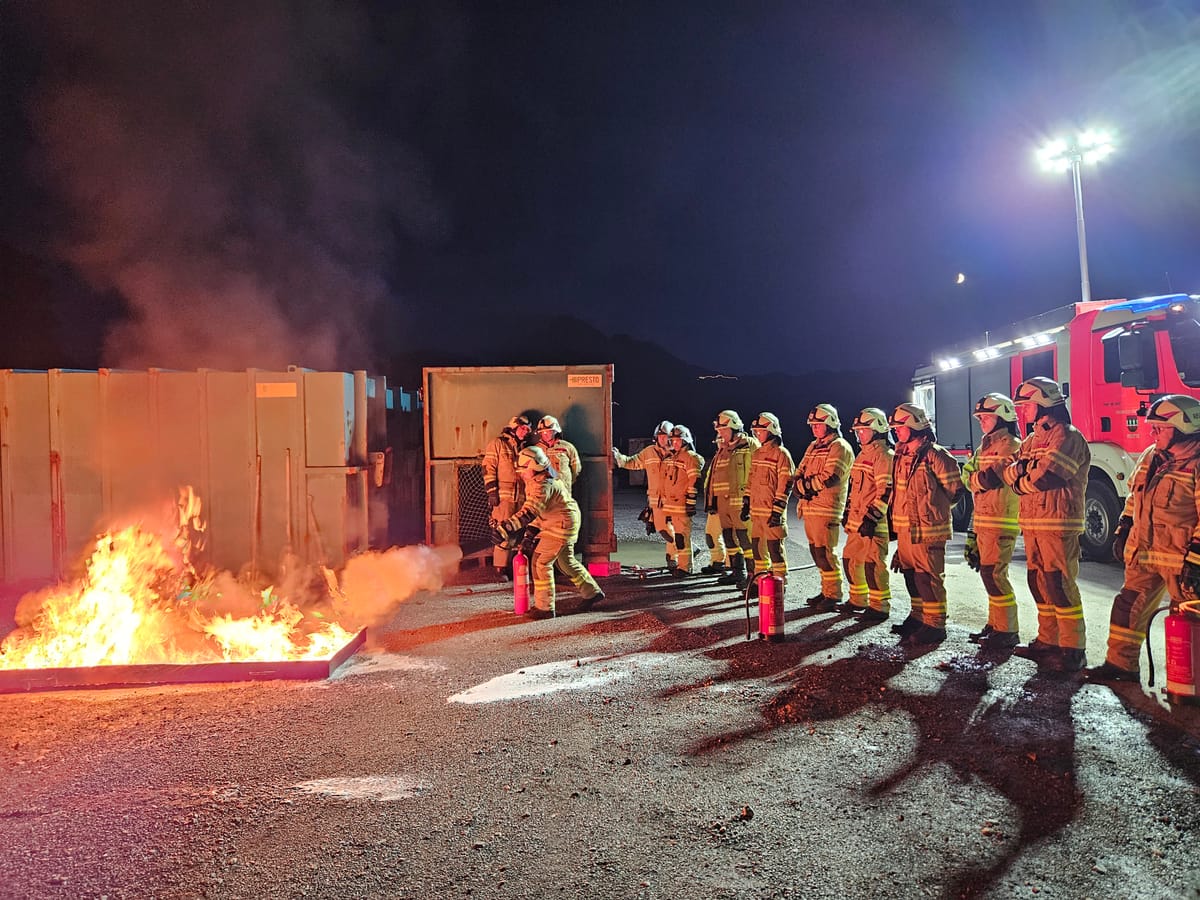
x=17 y=680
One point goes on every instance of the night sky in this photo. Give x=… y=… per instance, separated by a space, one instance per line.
x=752 y=186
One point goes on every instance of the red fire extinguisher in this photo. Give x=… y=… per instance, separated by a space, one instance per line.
x=1183 y=653
x=520 y=583
x=770 y=606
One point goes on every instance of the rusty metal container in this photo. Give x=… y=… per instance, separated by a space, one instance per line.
x=465 y=407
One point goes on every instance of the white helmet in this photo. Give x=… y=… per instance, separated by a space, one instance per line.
x=549 y=423
x=663 y=427
x=1041 y=390
x=872 y=417
x=1177 y=410
x=532 y=459
x=727 y=418
x=995 y=405
x=910 y=415
x=824 y=414
x=517 y=421
x=770 y=422
x=682 y=431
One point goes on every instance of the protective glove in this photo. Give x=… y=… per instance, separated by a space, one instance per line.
x=1189 y=577
x=711 y=506
x=530 y=540
x=775 y=519
x=493 y=495
x=745 y=509
x=989 y=480
x=971 y=551
x=896 y=567
x=499 y=534
x=846 y=515
x=870 y=523
x=647 y=516
x=1120 y=536
x=689 y=509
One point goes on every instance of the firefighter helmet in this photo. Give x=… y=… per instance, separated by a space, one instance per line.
x=995 y=405
x=727 y=418
x=1041 y=390
x=1180 y=412
x=532 y=459
x=910 y=415
x=663 y=427
x=768 y=421
x=549 y=423
x=682 y=431
x=517 y=421
x=824 y=414
x=872 y=417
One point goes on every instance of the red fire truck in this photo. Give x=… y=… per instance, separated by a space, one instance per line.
x=1113 y=359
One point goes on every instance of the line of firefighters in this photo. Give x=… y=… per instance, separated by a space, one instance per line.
x=1034 y=486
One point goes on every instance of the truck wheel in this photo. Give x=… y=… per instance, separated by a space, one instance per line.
x=1101 y=510
x=960 y=516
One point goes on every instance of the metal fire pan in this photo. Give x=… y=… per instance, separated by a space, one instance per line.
x=13 y=681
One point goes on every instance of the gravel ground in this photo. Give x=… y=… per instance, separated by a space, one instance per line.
x=644 y=749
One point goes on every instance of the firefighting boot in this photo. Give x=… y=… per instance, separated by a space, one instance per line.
x=716 y=568
x=907 y=627
x=737 y=575
x=815 y=600
x=977 y=637
x=1037 y=650
x=828 y=604
x=999 y=640
x=1067 y=660
x=923 y=636
x=851 y=608
x=1107 y=673
x=874 y=616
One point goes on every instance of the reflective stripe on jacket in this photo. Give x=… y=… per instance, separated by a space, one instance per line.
x=827 y=463
x=500 y=466
x=870 y=485
x=995 y=507
x=565 y=459
x=1164 y=503
x=729 y=476
x=649 y=459
x=926 y=482
x=1050 y=476
x=771 y=470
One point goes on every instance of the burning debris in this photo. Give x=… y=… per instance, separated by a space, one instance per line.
x=141 y=601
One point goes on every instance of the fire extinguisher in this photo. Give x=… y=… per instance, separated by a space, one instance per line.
x=520 y=569
x=770 y=606
x=1183 y=652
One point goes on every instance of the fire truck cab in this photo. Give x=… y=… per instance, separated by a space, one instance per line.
x=1113 y=358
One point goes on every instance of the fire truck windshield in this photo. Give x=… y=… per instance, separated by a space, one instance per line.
x=1185 y=346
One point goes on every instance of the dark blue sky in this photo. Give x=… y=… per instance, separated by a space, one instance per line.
x=755 y=187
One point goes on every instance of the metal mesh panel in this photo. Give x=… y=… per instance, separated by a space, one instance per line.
x=473 y=509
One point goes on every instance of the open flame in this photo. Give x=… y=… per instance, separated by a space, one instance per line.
x=142 y=601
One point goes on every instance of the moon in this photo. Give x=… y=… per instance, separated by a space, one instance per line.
x=960 y=279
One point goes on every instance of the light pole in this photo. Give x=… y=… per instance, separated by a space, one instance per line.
x=1062 y=154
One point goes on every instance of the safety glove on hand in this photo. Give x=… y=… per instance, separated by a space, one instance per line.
x=530 y=540
x=646 y=516
x=1120 y=537
x=989 y=480
x=775 y=519
x=745 y=509
x=1189 y=577
x=971 y=551
x=498 y=534
x=870 y=523
x=896 y=567
x=711 y=506
x=493 y=495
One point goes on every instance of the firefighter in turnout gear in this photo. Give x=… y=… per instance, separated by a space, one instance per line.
x=864 y=557
x=681 y=488
x=1050 y=475
x=993 y=535
x=714 y=538
x=650 y=460
x=563 y=455
x=504 y=488
x=820 y=487
x=728 y=493
x=926 y=483
x=1158 y=537
x=770 y=486
x=549 y=519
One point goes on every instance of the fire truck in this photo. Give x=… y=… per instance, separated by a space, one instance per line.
x=1113 y=358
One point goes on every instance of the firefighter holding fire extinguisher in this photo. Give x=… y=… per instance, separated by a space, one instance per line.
x=1158 y=536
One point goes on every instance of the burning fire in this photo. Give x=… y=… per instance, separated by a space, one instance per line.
x=141 y=601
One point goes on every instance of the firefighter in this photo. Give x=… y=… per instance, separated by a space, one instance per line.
x=993 y=535
x=770 y=486
x=550 y=520
x=864 y=557
x=728 y=494
x=562 y=453
x=820 y=487
x=504 y=488
x=926 y=484
x=680 y=489
x=713 y=536
x=1158 y=536
x=1050 y=475
x=650 y=460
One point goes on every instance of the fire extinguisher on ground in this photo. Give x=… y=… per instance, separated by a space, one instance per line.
x=770 y=606
x=520 y=567
x=1183 y=652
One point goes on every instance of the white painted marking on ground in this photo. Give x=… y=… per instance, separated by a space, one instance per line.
x=371 y=663
x=377 y=788
x=564 y=675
